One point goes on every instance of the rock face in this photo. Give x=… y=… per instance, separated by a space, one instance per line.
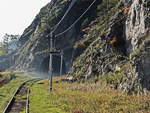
x=6 y=62
x=110 y=43
x=121 y=55
x=136 y=25
x=137 y=36
x=33 y=54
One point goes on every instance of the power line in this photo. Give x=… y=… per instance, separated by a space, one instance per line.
x=51 y=47
x=51 y=39
x=71 y=5
x=80 y=18
x=76 y=20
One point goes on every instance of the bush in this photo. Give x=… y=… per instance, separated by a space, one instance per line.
x=85 y=22
x=11 y=75
x=79 y=44
x=87 y=29
x=113 y=41
x=126 y=10
x=82 y=43
x=1 y=76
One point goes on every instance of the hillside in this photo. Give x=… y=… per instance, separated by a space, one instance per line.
x=109 y=43
x=34 y=51
x=71 y=97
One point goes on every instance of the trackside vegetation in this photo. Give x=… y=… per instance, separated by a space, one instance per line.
x=7 y=89
x=84 y=98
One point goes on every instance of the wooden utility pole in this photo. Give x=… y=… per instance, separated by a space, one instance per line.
x=53 y=51
x=61 y=64
x=51 y=63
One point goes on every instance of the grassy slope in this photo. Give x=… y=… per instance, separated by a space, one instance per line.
x=84 y=98
x=7 y=90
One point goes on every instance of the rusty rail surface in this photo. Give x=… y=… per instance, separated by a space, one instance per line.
x=11 y=102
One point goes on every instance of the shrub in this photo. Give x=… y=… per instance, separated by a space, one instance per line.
x=79 y=44
x=82 y=43
x=86 y=29
x=113 y=41
x=85 y=22
x=1 y=76
x=126 y=10
x=11 y=75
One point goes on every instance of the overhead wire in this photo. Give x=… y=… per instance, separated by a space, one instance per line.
x=52 y=8
x=58 y=35
x=80 y=18
x=70 y=6
x=76 y=20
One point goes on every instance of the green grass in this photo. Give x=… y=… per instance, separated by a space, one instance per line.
x=7 y=90
x=84 y=98
x=40 y=101
x=2 y=52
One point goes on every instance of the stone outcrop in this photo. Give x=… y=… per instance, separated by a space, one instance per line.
x=6 y=62
x=137 y=36
x=110 y=43
x=136 y=25
x=121 y=55
x=34 y=51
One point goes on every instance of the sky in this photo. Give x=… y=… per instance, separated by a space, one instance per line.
x=16 y=15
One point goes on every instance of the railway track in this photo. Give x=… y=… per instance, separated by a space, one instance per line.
x=20 y=99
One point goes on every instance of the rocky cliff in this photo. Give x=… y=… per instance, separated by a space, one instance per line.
x=121 y=55
x=110 y=43
x=34 y=51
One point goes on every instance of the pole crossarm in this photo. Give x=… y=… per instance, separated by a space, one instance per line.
x=61 y=64
x=51 y=36
x=55 y=51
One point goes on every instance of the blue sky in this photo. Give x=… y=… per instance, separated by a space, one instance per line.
x=16 y=15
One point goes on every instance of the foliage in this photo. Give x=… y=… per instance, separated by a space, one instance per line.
x=8 y=89
x=126 y=10
x=82 y=44
x=5 y=44
x=2 y=51
x=84 y=98
x=115 y=78
x=85 y=22
x=93 y=56
x=11 y=75
x=142 y=49
x=113 y=41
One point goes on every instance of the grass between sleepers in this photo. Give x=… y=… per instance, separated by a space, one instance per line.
x=7 y=90
x=84 y=98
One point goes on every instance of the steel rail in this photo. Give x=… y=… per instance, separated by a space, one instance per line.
x=27 y=101
x=8 y=106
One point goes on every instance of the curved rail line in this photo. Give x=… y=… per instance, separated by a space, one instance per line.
x=15 y=102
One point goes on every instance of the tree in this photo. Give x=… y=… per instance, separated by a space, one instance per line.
x=5 y=42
